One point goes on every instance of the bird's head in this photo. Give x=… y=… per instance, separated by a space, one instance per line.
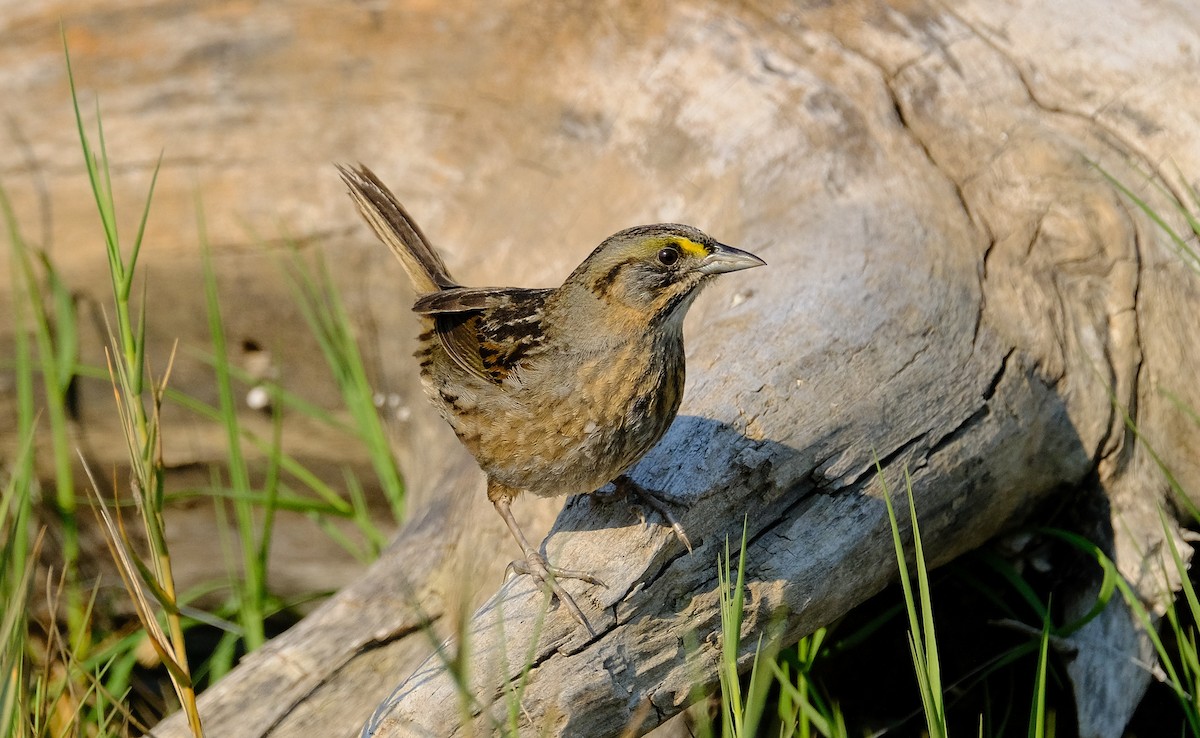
x=657 y=270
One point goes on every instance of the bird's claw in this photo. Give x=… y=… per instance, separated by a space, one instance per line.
x=623 y=485
x=547 y=576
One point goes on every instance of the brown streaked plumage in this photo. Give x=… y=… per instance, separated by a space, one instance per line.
x=555 y=391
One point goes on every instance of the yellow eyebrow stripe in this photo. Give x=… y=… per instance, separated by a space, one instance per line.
x=691 y=247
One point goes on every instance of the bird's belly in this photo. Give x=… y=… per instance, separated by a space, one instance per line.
x=556 y=435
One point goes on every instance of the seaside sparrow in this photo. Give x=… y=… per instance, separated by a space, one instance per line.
x=555 y=391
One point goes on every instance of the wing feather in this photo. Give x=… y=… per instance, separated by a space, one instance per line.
x=488 y=332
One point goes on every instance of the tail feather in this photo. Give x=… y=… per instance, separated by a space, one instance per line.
x=387 y=217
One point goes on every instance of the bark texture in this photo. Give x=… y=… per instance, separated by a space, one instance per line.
x=953 y=288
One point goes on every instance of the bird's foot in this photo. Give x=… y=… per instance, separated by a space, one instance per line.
x=535 y=565
x=653 y=499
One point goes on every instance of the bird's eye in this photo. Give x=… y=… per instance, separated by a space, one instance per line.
x=668 y=256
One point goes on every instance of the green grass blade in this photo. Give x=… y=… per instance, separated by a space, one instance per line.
x=251 y=583
x=1178 y=686
x=1182 y=247
x=330 y=324
x=1037 y=717
x=103 y=200
x=922 y=639
x=49 y=338
x=66 y=334
x=141 y=232
x=927 y=629
x=732 y=606
x=271 y=485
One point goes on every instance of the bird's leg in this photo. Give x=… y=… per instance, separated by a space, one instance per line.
x=655 y=501
x=535 y=564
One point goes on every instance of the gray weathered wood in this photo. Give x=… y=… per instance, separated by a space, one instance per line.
x=991 y=384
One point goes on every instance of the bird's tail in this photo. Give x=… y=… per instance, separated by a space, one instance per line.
x=387 y=217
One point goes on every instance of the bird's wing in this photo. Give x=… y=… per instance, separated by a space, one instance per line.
x=487 y=331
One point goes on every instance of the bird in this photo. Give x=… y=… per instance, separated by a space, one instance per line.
x=555 y=391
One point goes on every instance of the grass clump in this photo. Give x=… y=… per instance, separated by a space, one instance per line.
x=64 y=672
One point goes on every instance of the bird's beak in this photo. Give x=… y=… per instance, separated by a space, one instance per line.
x=728 y=259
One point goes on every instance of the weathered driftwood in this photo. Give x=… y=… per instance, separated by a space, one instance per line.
x=953 y=288
x=983 y=348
